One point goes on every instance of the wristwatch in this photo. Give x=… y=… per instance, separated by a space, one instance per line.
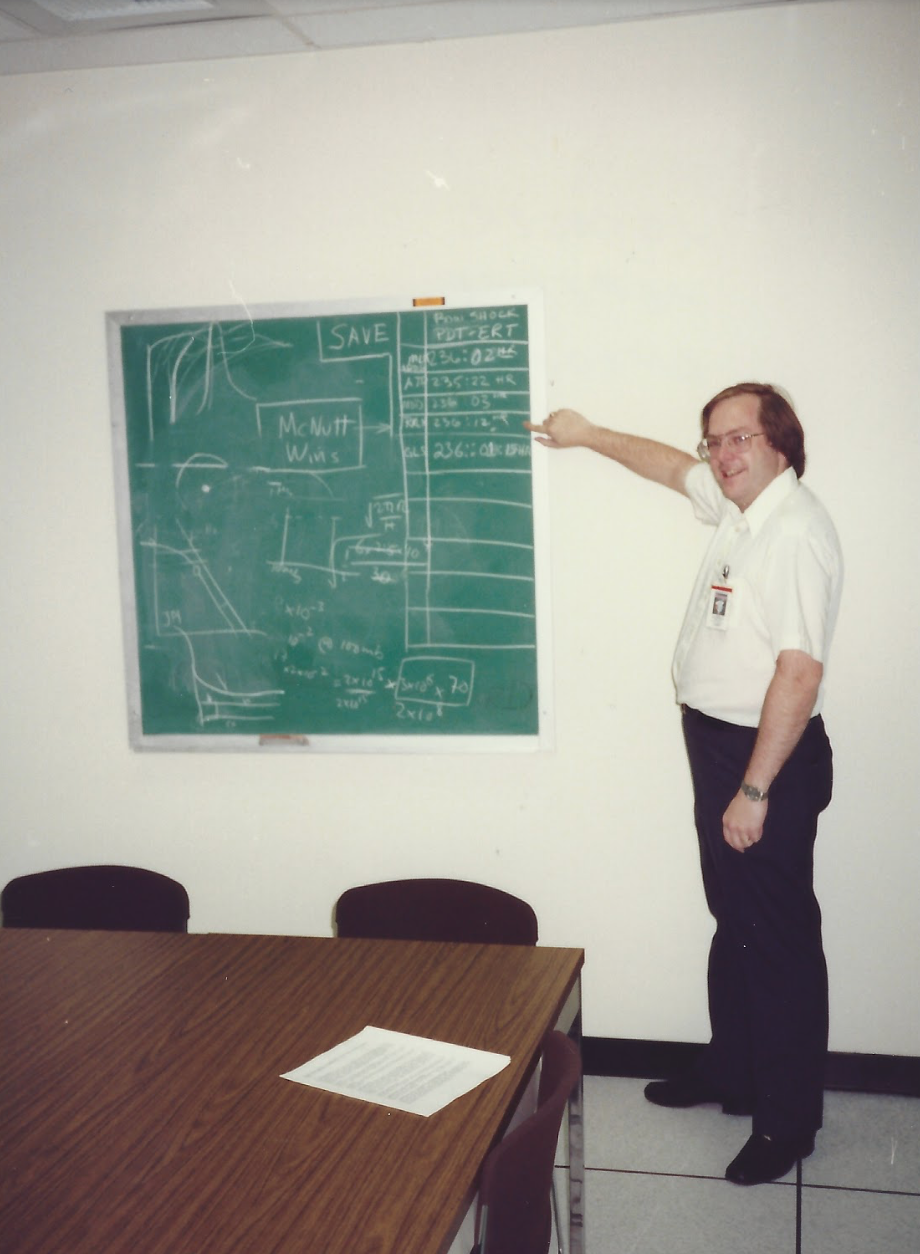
x=752 y=793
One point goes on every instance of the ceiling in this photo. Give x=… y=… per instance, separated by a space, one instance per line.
x=39 y=35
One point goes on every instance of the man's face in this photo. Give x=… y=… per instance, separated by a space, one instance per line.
x=742 y=474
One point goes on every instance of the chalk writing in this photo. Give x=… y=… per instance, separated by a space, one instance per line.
x=332 y=522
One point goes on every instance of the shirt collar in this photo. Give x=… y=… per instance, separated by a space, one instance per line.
x=770 y=499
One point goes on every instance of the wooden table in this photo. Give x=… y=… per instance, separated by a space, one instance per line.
x=142 y=1109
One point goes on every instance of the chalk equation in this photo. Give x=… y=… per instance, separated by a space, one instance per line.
x=332 y=522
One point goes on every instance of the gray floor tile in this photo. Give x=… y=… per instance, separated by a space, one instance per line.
x=843 y=1222
x=625 y=1132
x=641 y=1214
x=868 y=1142
x=654 y=1181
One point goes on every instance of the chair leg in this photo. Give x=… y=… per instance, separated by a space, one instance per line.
x=556 y=1224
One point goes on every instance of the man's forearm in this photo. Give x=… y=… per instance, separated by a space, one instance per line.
x=652 y=460
x=565 y=428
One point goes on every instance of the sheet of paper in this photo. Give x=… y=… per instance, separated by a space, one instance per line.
x=393 y=1069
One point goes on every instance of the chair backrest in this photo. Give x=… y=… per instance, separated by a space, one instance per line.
x=107 y=898
x=514 y=1214
x=436 y=910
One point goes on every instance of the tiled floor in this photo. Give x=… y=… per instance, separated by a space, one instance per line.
x=655 y=1180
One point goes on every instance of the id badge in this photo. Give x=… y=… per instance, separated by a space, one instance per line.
x=720 y=606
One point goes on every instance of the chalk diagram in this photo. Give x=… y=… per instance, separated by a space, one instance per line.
x=187 y=368
x=441 y=537
x=205 y=604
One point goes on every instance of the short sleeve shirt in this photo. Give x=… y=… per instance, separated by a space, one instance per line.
x=771 y=580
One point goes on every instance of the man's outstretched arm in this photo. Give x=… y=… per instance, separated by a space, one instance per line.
x=566 y=428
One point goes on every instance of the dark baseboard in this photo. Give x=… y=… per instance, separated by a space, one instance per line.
x=853 y=1073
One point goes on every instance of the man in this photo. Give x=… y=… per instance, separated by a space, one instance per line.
x=749 y=670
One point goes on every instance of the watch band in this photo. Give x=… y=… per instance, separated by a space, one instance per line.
x=752 y=793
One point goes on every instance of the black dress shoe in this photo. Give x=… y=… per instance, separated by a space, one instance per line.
x=764 y=1159
x=688 y=1091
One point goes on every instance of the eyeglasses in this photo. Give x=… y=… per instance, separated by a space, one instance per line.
x=736 y=442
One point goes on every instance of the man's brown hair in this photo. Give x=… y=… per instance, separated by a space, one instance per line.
x=777 y=417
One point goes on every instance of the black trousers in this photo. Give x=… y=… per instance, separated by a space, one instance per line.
x=767 y=973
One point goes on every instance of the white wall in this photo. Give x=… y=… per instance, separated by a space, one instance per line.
x=701 y=199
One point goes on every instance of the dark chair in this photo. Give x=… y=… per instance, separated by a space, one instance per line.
x=514 y=1211
x=105 y=898
x=435 y=910
x=459 y=911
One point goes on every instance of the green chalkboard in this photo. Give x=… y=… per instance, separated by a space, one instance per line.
x=328 y=524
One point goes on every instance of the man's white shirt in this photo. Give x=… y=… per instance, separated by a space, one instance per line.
x=770 y=580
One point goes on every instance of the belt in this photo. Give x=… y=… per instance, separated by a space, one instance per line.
x=699 y=717
x=689 y=712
